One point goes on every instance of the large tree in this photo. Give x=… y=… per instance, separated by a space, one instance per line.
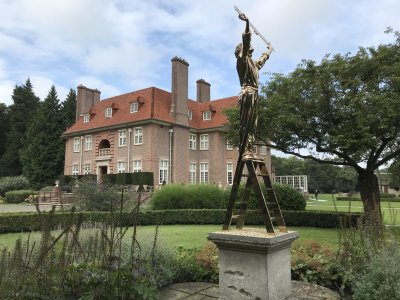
x=21 y=112
x=343 y=111
x=43 y=153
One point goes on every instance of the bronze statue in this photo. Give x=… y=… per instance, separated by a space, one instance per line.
x=248 y=71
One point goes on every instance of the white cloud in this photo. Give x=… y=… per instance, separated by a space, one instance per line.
x=125 y=45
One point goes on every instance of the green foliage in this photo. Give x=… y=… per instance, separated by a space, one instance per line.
x=136 y=178
x=18 y=222
x=176 y=196
x=193 y=265
x=90 y=196
x=68 y=109
x=42 y=156
x=13 y=183
x=313 y=262
x=288 y=197
x=18 y=196
x=67 y=265
x=389 y=199
x=4 y=129
x=21 y=112
x=379 y=279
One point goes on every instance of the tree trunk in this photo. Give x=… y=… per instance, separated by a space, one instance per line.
x=370 y=196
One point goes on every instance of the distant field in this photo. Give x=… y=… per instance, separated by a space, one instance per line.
x=390 y=210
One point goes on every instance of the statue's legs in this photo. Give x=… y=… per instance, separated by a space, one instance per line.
x=248 y=120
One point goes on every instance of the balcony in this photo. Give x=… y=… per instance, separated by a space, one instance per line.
x=104 y=154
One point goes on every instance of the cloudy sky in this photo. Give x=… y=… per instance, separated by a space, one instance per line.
x=125 y=45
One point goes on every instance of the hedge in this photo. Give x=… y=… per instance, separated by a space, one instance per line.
x=17 y=222
x=359 y=199
x=12 y=183
x=18 y=196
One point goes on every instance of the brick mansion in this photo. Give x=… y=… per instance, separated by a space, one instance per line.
x=178 y=139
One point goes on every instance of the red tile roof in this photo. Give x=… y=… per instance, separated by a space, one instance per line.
x=154 y=104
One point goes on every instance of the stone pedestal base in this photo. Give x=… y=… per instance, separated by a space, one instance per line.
x=253 y=264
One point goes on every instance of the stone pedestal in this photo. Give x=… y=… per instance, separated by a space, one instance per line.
x=253 y=264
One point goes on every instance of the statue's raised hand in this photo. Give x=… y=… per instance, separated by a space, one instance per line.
x=243 y=17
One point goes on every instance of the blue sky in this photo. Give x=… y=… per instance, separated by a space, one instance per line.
x=122 y=46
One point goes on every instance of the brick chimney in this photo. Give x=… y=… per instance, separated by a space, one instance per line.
x=203 y=90
x=86 y=99
x=179 y=90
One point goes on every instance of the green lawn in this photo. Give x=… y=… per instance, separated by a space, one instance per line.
x=187 y=236
x=390 y=210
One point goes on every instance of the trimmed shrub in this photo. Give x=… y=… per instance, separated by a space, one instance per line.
x=390 y=199
x=176 y=196
x=288 y=197
x=17 y=222
x=12 y=183
x=18 y=196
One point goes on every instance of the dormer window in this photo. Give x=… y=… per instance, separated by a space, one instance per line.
x=108 y=112
x=134 y=107
x=206 y=115
x=86 y=118
x=190 y=114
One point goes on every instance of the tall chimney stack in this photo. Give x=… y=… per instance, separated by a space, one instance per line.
x=203 y=91
x=86 y=99
x=179 y=90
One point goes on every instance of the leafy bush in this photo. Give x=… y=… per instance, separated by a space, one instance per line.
x=195 y=265
x=379 y=280
x=176 y=196
x=387 y=195
x=18 y=196
x=12 y=183
x=288 y=198
x=313 y=262
x=91 y=196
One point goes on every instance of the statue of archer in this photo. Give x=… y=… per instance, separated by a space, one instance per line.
x=248 y=71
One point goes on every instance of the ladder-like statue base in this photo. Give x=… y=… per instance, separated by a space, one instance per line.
x=271 y=212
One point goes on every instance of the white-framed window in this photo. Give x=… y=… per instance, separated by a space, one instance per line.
x=192 y=172
x=137 y=166
x=88 y=143
x=86 y=118
x=121 y=167
x=206 y=115
x=192 y=141
x=203 y=172
x=134 y=107
x=75 y=169
x=138 y=136
x=255 y=149
x=229 y=173
x=229 y=146
x=203 y=141
x=190 y=114
x=263 y=150
x=77 y=144
x=163 y=177
x=86 y=169
x=121 y=138
x=108 y=112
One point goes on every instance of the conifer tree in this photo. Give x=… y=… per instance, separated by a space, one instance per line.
x=25 y=104
x=43 y=154
x=4 y=128
x=68 y=108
